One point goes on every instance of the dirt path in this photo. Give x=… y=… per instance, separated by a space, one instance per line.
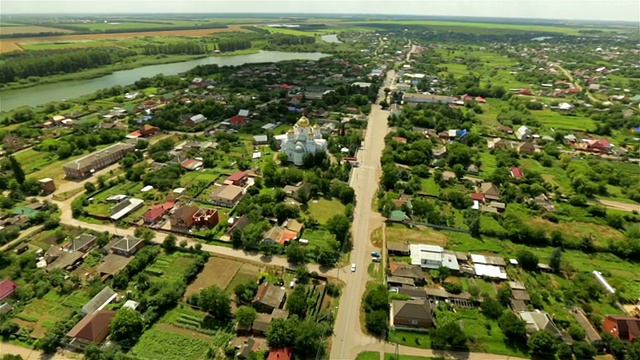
x=28 y=354
x=617 y=205
x=577 y=86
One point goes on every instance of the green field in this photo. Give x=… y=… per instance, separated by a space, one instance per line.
x=171 y=267
x=558 y=121
x=368 y=355
x=466 y=26
x=156 y=344
x=323 y=209
x=66 y=44
x=318 y=237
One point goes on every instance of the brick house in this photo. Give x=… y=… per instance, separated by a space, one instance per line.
x=183 y=219
x=148 y=130
x=413 y=313
x=127 y=246
x=626 y=328
x=238 y=178
x=237 y=121
x=97 y=160
x=206 y=218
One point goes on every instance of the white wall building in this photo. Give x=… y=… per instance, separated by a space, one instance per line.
x=303 y=139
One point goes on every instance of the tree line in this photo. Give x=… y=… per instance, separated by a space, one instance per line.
x=189 y=48
x=282 y=39
x=228 y=45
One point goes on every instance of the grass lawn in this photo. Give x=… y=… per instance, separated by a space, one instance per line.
x=489 y=163
x=430 y=187
x=164 y=345
x=408 y=338
x=319 y=237
x=556 y=120
x=171 y=267
x=421 y=235
x=368 y=355
x=389 y=356
x=323 y=209
x=100 y=206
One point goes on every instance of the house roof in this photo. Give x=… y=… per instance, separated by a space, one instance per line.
x=400 y=280
x=539 y=320
x=81 y=241
x=477 y=196
x=92 y=158
x=590 y=331
x=101 y=299
x=294 y=225
x=237 y=176
x=415 y=309
x=270 y=295
x=113 y=263
x=516 y=172
x=397 y=246
x=127 y=243
x=489 y=189
x=6 y=288
x=237 y=119
x=628 y=324
x=414 y=293
x=240 y=223
x=228 y=192
x=262 y=321
x=185 y=213
x=520 y=295
x=93 y=327
x=406 y=271
x=280 y=354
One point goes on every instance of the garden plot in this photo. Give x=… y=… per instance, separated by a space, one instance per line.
x=217 y=271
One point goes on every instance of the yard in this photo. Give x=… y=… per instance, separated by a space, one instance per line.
x=157 y=344
x=320 y=237
x=557 y=120
x=323 y=209
x=171 y=266
x=417 y=235
x=217 y=271
x=368 y=355
x=100 y=206
x=42 y=314
x=246 y=273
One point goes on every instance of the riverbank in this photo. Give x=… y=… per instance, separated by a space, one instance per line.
x=103 y=71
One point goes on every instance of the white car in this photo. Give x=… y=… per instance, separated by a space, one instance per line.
x=353 y=267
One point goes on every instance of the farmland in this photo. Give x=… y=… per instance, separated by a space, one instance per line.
x=11 y=30
x=217 y=271
x=174 y=346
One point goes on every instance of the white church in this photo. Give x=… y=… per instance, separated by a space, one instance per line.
x=303 y=139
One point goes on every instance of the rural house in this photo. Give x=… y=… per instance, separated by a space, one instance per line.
x=227 y=195
x=526 y=148
x=403 y=270
x=182 y=219
x=92 y=329
x=539 y=320
x=7 y=289
x=280 y=354
x=127 y=246
x=87 y=165
x=238 y=178
x=206 y=218
x=83 y=243
x=625 y=328
x=269 y=297
x=295 y=191
x=523 y=133
x=98 y=302
x=490 y=191
x=412 y=313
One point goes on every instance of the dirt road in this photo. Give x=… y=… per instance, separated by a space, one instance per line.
x=27 y=354
x=383 y=347
x=617 y=205
x=30 y=231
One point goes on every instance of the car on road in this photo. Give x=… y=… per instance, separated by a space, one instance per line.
x=375 y=259
x=375 y=254
x=353 y=267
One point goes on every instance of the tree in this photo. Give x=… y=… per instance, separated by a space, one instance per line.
x=297 y=302
x=296 y=254
x=555 y=260
x=458 y=170
x=245 y=292
x=183 y=243
x=339 y=226
x=491 y=308
x=89 y=187
x=513 y=327
x=449 y=335
x=268 y=248
x=215 y=301
x=18 y=173
x=144 y=233
x=384 y=104
x=377 y=322
x=528 y=260
x=577 y=333
x=11 y=357
x=564 y=352
x=584 y=350
x=170 y=243
x=127 y=326
x=542 y=344
x=281 y=332
x=246 y=315
x=377 y=298
x=504 y=295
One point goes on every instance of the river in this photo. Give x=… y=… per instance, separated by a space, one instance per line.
x=42 y=94
x=331 y=38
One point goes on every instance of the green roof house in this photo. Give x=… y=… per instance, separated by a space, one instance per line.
x=398 y=216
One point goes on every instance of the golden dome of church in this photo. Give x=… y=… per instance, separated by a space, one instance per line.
x=303 y=122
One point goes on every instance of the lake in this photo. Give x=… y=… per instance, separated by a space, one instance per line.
x=42 y=94
x=331 y=38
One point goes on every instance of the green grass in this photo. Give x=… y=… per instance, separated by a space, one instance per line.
x=171 y=267
x=320 y=237
x=467 y=26
x=368 y=355
x=408 y=338
x=58 y=45
x=557 y=120
x=323 y=209
x=163 y=345
x=430 y=187
x=389 y=356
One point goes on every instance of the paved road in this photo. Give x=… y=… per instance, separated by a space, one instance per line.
x=347 y=330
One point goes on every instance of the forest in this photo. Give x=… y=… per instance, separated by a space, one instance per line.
x=189 y=48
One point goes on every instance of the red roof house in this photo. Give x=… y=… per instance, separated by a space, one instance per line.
x=480 y=99
x=238 y=178
x=477 y=196
x=156 y=212
x=148 y=130
x=280 y=354
x=466 y=97
x=237 y=121
x=573 y=91
x=7 y=288
x=525 y=92
x=626 y=328
x=516 y=172
x=206 y=218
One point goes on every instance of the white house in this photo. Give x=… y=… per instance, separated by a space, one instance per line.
x=303 y=139
x=523 y=133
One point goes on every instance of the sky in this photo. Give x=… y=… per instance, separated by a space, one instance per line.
x=619 y=10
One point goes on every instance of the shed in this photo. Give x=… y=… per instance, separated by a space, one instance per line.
x=98 y=302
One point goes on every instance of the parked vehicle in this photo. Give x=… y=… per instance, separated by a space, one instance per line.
x=353 y=267
x=375 y=259
x=375 y=254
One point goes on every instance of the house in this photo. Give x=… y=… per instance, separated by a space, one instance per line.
x=97 y=160
x=412 y=313
x=98 y=302
x=127 y=246
x=394 y=281
x=523 y=133
x=626 y=328
x=397 y=216
x=297 y=191
x=472 y=169
x=246 y=348
x=238 y=178
x=156 y=212
x=182 y=219
x=227 y=195
x=125 y=207
x=539 y=320
x=269 y=297
x=112 y=263
x=239 y=224
x=543 y=201
x=13 y=142
x=505 y=129
x=403 y=270
x=147 y=130
x=47 y=185
x=260 y=324
x=496 y=143
x=477 y=197
x=413 y=99
x=516 y=172
x=565 y=106
x=260 y=139
x=280 y=354
x=7 y=289
x=195 y=120
x=399 y=140
x=206 y=218
x=526 y=147
x=439 y=153
x=601 y=146
x=293 y=226
x=83 y=243
x=432 y=257
x=237 y=121
x=5 y=308
x=397 y=248
x=192 y=164
x=92 y=329
x=490 y=191
x=524 y=92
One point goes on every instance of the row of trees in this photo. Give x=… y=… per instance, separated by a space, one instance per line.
x=189 y=48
